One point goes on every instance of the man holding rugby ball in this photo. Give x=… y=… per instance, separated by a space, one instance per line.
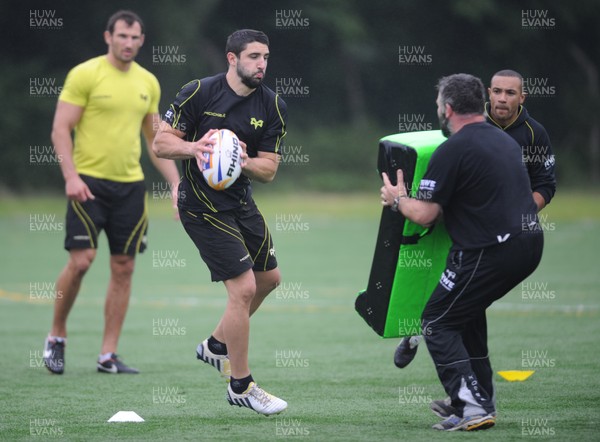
x=226 y=226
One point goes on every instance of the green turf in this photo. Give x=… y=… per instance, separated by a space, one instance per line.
x=307 y=343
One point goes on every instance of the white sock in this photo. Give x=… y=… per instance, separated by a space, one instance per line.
x=57 y=339
x=105 y=356
x=414 y=341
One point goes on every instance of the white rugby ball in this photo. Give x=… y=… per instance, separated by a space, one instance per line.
x=224 y=165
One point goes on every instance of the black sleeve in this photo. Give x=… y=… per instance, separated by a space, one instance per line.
x=541 y=164
x=183 y=114
x=272 y=138
x=439 y=181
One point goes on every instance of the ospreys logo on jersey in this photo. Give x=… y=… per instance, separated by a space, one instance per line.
x=256 y=123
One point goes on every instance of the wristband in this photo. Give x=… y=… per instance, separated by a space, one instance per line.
x=396 y=202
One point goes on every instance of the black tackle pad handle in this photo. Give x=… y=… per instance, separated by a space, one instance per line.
x=372 y=304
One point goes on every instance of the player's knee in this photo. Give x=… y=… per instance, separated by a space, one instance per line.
x=243 y=295
x=81 y=260
x=274 y=282
x=268 y=281
x=122 y=266
x=242 y=289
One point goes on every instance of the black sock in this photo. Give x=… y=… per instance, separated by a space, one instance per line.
x=240 y=385
x=217 y=347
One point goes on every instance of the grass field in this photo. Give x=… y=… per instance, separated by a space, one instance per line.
x=307 y=343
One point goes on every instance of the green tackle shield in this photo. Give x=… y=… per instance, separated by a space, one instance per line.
x=408 y=258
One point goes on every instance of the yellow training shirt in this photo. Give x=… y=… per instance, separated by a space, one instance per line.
x=107 y=138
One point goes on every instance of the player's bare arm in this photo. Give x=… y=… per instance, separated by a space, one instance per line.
x=261 y=168
x=166 y=167
x=66 y=117
x=420 y=212
x=169 y=143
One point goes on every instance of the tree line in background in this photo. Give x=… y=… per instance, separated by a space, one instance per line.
x=350 y=71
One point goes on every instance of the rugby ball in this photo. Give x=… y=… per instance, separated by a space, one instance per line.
x=222 y=167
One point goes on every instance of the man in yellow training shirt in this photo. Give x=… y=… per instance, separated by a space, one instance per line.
x=107 y=101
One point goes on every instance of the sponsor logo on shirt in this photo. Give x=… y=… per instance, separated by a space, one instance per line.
x=503 y=238
x=447 y=279
x=256 y=123
x=427 y=185
x=214 y=114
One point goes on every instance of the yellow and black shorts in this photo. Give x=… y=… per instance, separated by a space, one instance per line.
x=119 y=209
x=232 y=241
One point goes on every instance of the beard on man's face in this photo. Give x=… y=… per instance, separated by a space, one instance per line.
x=444 y=125
x=248 y=80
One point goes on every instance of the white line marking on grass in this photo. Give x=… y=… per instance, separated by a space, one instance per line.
x=325 y=306
x=549 y=308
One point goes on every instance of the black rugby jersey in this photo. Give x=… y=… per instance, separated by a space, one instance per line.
x=258 y=119
x=536 y=148
x=479 y=179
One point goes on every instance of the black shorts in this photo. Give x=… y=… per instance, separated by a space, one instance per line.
x=474 y=279
x=231 y=242
x=119 y=209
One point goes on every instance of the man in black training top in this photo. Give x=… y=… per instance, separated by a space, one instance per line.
x=226 y=226
x=506 y=111
x=477 y=178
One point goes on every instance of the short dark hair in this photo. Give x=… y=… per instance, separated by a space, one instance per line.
x=128 y=17
x=463 y=92
x=238 y=41
x=508 y=73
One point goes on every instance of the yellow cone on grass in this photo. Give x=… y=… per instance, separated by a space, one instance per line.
x=516 y=375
